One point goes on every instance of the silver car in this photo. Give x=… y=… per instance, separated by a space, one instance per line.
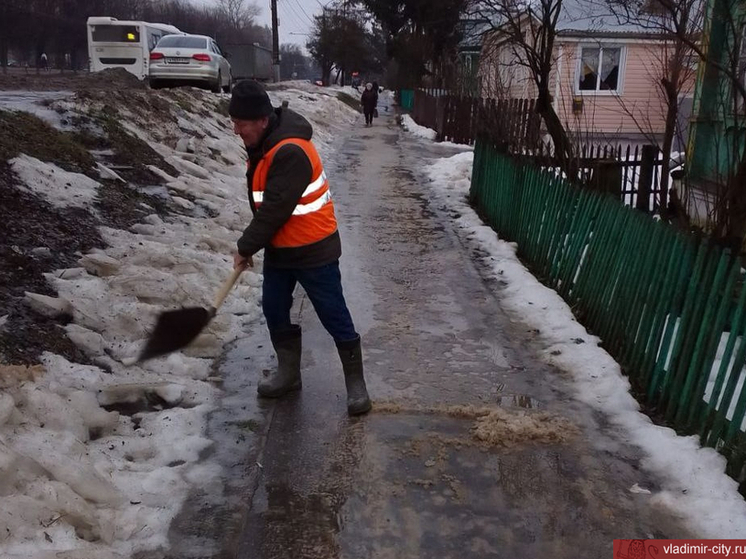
x=185 y=59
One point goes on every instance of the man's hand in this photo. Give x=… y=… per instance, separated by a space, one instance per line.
x=242 y=262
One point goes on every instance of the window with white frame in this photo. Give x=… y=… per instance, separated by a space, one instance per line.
x=600 y=69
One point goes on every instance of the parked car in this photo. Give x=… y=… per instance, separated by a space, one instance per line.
x=186 y=59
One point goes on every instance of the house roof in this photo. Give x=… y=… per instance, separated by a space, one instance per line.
x=595 y=18
x=472 y=31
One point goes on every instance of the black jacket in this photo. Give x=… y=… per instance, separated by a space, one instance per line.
x=287 y=178
x=369 y=99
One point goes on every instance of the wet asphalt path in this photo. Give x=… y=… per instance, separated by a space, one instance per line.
x=406 y=481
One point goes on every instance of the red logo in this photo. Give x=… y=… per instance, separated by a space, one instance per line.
x=635 y=549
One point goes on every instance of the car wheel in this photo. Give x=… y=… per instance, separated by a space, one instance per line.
x=217 y=87
x=227 y=88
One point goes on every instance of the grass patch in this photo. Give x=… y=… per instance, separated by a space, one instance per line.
x=130 y=153
x=131 y=150
x=349 y=100
x=27 y=222
x=26 y=133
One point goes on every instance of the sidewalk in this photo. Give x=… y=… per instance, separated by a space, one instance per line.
x=426 y=473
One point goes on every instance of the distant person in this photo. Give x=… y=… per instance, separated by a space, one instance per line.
x=44 y=61
x=369 y=100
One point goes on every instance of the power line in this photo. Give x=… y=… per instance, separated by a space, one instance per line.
x=294 y=19
x=300 y=18
x=302 y=10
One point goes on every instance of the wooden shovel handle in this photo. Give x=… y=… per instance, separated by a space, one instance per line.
x=226 y=287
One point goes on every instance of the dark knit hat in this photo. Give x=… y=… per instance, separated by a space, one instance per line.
x=249 y=101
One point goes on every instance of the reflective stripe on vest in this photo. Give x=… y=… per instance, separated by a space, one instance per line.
x=301 y=209
x=313 y=217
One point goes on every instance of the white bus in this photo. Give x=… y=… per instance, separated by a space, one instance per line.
x=123 y=44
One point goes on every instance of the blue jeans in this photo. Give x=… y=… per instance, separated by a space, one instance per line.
x=324 y=288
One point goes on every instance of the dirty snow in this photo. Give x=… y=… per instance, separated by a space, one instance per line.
x=416 y=129
x=59 y=187
x=695 y=484
x=95 y=461
x=35 y=102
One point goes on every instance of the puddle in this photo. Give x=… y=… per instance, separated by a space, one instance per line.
x=517 y=401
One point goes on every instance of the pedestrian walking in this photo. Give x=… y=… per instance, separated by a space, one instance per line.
x=44 y=61
x=294 y=222
x=368 y=100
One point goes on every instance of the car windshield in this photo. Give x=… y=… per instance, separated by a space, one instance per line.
x=179 y=41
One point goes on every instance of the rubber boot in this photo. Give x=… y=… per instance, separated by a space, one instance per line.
x=286 y=378
x=351 y=355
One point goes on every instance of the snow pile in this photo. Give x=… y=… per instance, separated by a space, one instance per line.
x=95 y=461
x=419 y=131
x=696 y=486
x=321 y=106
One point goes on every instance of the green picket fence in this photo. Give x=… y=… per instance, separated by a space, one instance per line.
x=668 y=306
x=406 y=99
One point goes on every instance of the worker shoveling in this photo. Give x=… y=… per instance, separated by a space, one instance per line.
x=176 y=329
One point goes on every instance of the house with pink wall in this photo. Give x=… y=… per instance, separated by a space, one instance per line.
x=605 y=78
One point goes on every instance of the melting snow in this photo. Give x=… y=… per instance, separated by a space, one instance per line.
x=696 y=486
x=95 y=461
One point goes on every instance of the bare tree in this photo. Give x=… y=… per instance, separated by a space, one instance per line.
x=341 y=41
x=677 y=25
x=293 y=63
x=10 y=17
x=529 y=30
x=57 y=27
x=321 y=45
x=238 y=13
x=713 y=30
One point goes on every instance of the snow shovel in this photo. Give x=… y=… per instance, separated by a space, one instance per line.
x=176 y=329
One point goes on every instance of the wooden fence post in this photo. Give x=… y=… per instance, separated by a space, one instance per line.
x=645 y=186
x=441 y=105
x=607 y=177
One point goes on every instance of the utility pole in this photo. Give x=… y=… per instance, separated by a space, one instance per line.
x=324 y=77
x=275 y=43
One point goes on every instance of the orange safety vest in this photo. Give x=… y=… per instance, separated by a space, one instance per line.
x=313 y=217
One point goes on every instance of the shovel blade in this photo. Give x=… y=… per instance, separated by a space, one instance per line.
x=175 y=330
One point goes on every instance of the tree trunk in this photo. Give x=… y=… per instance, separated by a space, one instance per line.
x=672 y=116
x=736 y=229
x=4 y=53
x=4 y=29
x=555 y=129
x=671 y=88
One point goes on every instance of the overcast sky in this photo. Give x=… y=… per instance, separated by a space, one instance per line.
x=296 y=16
